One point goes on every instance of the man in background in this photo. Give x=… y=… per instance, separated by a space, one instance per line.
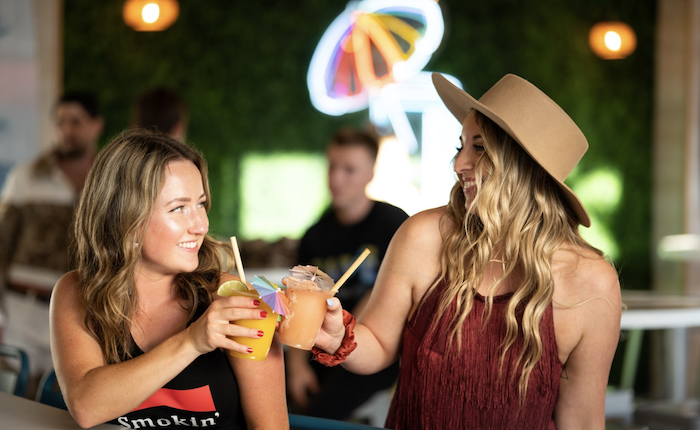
x=36 y=214
x=352 y=223
x=163 y=109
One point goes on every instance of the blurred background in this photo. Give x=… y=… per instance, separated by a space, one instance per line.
x=243 y=66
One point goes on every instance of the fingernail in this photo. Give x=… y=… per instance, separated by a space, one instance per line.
x=263 y=314
x=250 y=350
x=260 y=333
x=329 y=302
x=256 y=302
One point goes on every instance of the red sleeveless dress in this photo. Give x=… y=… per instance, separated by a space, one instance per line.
x=461 y=389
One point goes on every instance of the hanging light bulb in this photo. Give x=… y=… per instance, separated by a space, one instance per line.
x=612 y=40
x=150 y=15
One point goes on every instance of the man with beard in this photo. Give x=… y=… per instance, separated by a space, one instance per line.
x=36 y=211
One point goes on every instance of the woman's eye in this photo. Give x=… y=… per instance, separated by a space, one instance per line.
x=177 y=209
x=459 y=149
x=202 y=204
x=478 y=148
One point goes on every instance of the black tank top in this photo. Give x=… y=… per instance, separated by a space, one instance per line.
x=204 y=394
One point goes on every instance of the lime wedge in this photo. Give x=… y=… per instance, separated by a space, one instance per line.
x=227 y=288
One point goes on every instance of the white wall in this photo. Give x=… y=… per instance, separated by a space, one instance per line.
x=30 y=54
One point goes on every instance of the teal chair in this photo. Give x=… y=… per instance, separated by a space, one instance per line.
x=49 y=392
x=302 y=422
x=14 y=381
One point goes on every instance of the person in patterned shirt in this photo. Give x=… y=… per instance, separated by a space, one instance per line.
x=36 y=211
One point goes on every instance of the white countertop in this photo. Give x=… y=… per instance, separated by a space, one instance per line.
x=20 y=413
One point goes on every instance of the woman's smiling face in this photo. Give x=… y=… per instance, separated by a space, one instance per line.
x=170 y=244
x=468 y=154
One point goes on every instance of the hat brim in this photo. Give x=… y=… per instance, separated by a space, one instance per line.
x=461 y=103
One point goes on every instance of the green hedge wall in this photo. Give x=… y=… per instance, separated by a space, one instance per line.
x=241 y=65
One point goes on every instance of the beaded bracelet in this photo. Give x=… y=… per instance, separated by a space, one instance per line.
x=347 y=346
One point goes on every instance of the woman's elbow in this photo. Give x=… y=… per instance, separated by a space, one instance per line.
x=83 y=414
x=85 y=421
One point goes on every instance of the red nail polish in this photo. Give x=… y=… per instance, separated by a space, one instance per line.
x=263 y=314
x=256 y=302
x=260 y=333
x=250 y=350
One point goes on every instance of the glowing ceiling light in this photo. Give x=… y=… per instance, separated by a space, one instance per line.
x=150 y=15
x=612 y=40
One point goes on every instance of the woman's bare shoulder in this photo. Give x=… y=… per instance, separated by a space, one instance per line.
x=423 y=225
x=581 y=274
x=416 y=244
x=67 y=284
x=66 y=292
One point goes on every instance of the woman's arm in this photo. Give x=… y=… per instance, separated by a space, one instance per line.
x=96 y=392
x=409 y=268
x=584 y=379
x=262 y=389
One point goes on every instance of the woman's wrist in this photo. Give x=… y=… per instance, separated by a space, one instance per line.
x=342 y=348
x=335 y=345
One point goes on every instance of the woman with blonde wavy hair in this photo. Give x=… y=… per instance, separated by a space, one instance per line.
x=502 y=315
x=138 y=335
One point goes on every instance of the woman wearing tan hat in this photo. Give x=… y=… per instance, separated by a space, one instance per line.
x=503 y=316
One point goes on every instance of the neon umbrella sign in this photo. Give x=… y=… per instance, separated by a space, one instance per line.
x=371 y=44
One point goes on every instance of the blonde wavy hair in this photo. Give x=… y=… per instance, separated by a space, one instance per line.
x=115 y=206
x=518 y=218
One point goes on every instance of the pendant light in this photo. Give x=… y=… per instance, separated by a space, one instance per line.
x=612 y=40
x=150 y=15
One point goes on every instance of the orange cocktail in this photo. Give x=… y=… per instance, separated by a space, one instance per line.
x=308 y=308
x=260 y=346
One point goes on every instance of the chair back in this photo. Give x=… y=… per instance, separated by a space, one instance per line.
x=13 y=380
x=303 y=422
x=49 y=393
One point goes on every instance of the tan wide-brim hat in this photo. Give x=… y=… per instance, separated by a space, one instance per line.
x=534 y=120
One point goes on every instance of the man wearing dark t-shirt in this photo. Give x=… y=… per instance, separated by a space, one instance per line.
x=352 y=223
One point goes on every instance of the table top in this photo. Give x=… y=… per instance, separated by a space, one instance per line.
x=637 y=299
x=651 y=310
x=20 y=413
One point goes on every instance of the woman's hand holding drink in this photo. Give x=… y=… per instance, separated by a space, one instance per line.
x=332 y=331
x=255 y=348
x=255 y=344
x=307 y=289
x=316 y=317
x=213 y=329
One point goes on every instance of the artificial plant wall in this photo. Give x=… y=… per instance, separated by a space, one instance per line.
x=241 y=65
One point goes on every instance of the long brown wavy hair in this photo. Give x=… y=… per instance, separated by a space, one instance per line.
x=115 y=206
x=518 y=219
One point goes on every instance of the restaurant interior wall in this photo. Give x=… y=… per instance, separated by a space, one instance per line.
x=242 y=69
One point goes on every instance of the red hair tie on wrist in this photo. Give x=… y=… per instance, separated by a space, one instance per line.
x=347 y=346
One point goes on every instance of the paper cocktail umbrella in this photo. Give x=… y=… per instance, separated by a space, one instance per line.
x=272 y=295
x=313 y=274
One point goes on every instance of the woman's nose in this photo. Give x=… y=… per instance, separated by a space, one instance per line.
x=463 y=162
x=199 y=222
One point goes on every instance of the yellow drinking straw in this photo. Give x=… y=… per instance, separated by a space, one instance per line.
x=237 y=256
x=350 y=270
